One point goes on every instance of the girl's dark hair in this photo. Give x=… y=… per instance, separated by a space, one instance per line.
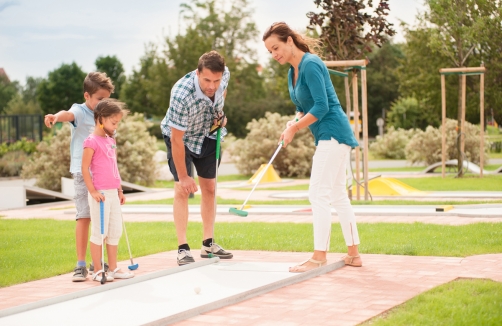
x=283 y=31
x=108 y=108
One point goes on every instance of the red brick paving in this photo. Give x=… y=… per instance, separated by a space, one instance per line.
x=347 y=296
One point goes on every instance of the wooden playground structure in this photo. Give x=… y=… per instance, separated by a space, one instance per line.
x=356 y=65
x=463 y=72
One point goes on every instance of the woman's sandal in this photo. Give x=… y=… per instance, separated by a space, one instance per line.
x=303 y=268
x=349 y=260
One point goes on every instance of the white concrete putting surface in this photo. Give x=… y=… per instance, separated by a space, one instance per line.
x=168 y=298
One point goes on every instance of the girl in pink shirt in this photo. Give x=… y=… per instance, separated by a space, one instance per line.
x=102 y=178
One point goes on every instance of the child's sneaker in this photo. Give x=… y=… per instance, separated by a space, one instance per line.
x=97 y=276
x=91 y=268
x=185 y=257
x=80 y=274
x=117 y=273
x=217 y=251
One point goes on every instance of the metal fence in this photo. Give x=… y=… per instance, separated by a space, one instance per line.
x=15 y=127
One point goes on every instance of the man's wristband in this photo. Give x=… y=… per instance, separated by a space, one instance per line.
x=120 y=190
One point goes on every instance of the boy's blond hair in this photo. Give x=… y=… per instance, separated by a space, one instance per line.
x=95 y=81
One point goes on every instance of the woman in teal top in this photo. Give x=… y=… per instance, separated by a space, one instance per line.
x=318 y=107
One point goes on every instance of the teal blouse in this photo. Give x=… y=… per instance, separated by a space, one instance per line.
x=314 y=93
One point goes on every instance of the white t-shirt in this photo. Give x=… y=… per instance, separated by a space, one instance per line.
x=82 y=127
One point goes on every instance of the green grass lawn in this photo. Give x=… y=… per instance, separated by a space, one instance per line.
x=449 y=183
x=461 y=302
x=40 y=248
x=412 y=169
x=221 y=178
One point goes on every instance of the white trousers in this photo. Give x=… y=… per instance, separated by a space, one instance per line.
x=328 y=188
x=112 y=218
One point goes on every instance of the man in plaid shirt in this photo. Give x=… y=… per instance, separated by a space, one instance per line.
x=196 y=104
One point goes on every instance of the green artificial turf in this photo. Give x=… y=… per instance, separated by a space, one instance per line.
x=461 y=302
x=39 y=248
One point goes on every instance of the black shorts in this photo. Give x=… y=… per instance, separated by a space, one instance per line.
x=205 y=162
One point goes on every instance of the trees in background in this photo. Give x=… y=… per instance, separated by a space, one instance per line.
x=62 y=88
x=353 y=30
x=112 y=66
x=348 y=30
x=135 y=89
x=8 y=90
x=403 y=79
x=383 y=82
x=456 y=33
x=210 y=25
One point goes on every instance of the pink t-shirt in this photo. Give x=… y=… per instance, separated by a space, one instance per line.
x=105 y=174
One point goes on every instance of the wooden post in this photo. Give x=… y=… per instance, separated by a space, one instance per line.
x=482 y=121
x=347 y=110
x=443 y=124
x=463 y=71
x=355 y=105
x=364 y=99
x=462 y=126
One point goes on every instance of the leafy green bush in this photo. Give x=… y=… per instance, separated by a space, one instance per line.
x=51 y=161
x=136 y=149
x=11 y=163
x=23 y=145
x=154 y=130
x=262 y=141
x=392 y=144
x=425 y=146
x=135 y=153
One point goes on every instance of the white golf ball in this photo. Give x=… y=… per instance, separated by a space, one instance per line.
x=197 y=289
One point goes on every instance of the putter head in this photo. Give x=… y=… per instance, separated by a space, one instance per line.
x=237 y=212
x=133 y=267
x=103 y=278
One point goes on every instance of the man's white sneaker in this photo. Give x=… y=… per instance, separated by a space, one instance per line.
x=216 y=250
x=185 y=257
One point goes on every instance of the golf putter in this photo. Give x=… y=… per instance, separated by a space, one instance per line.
x=216 y=128
x=241 y=212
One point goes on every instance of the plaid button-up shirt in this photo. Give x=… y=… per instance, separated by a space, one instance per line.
x=191 y=111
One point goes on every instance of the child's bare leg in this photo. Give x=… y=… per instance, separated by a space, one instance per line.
x=96 y=256
x=82 y=237
x=112 y=256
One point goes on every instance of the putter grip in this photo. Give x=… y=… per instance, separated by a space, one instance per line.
x=218 y=145
x=102 y=216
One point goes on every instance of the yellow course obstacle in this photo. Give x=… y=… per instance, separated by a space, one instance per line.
x=391 y=187
x=269 y=176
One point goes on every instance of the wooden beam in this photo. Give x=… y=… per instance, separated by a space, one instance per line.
x=463 y=69
x=346 y=63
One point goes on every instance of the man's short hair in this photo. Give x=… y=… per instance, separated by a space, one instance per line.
x=95 y=81
x=213 y=61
